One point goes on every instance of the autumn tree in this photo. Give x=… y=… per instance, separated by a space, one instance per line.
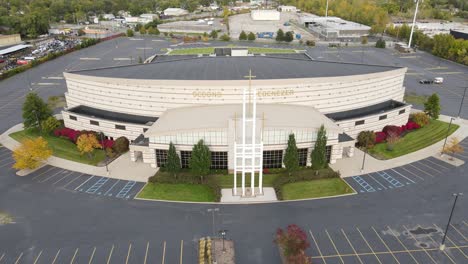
x=453 y=147
x=86 y=143
x=50 y=124
x=31 y=153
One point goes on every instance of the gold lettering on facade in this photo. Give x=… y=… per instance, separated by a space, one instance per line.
x=207 y=94
x=275 y=93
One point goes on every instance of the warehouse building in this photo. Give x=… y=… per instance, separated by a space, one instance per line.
x=335 y=28
x=182 y=99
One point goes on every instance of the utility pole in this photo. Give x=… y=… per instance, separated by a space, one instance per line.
x=442 y=245
x=364 y=159
x=326 y=10
x=446 y=136
x=461 y=103
x=105 y=153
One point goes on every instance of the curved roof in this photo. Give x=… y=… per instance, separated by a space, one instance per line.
x=235 y=68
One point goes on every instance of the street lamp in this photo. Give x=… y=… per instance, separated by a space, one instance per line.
x=364 y=159
x=461 y=103
x=446 y=136
x=105 y=153
x=414 y=22
x=442 y=245
x=212 y=211
x=223 y=235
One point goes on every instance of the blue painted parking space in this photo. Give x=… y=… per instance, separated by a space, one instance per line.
x=124 y=191
x=394 y=183
x=366 y=187
x=97 y=185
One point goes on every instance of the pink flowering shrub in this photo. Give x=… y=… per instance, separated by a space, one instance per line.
x=293 y=242
x=380 y=137
x=66 y=132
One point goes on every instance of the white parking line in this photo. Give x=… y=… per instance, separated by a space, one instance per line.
x=425 y=172
x=437 y=164
x=84 y=182
x=7 y=164
x=421 y=178
x=403 y=176
x=53 y=175
x=135 y=39
x=45 y=84
x=420 y=162
x=77 y=177
x=53 y=78
x=71 y=172
x=377 y=181
x=122 y=59
x=93 y=59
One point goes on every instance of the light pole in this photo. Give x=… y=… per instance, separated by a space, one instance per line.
x=446 y=136
x=223 y=235
x=414 y=22
x=105 y=153
x=442 y=245
x=461 y=103
x=212 y=211
x=364 y=160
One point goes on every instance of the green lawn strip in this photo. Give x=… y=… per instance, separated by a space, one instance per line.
x=428 y=135
x=227 y=181
x=315 y=189
x=413 y=98
x=177 y=192
x=61 y=147
x=210 y=50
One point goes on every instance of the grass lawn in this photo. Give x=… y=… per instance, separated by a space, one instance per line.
x=315 y=188
x=62 y=148
x=177 y=192
x=210 y=50
x=414 y=98
x=431 y=133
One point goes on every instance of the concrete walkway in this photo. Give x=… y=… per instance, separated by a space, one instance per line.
x=122 y=168
x=352 y=166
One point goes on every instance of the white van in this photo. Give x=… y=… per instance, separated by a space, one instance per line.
x=438 y=80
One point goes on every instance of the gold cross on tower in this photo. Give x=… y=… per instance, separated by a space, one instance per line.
x=250 y=76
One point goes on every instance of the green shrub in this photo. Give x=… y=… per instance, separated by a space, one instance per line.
x=420 y=118
x=130 y=33
x=50 y=124
x=121 y=145
x=225 y=37
x=243 y=35
x=380 y=44
x=251 y=36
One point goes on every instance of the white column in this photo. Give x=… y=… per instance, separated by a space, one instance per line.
x=254 y=122
x=244 y=96
x=260 y=174
x=235 y=168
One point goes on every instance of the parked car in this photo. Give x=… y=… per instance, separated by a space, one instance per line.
x=426 y=81
x=438 y=80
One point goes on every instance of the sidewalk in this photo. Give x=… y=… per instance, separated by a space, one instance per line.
x=352 y=166
x=122 y=168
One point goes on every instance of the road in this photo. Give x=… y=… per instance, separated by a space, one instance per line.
x=57 y=224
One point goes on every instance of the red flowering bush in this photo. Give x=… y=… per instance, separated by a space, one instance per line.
x=380 y=137
x=69 y=133
x=106 y=143
x=293 y=243
x=412 y=125
x=392 y=130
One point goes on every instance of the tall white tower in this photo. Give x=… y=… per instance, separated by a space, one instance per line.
x=248 y=155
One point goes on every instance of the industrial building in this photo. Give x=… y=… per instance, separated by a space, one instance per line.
x=265 y=15
x=182 y=99
x=9 y=40
x=198 y=26
x=334 y=28
x=175 y=12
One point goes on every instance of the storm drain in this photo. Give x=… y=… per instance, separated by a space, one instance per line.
x=423 y=231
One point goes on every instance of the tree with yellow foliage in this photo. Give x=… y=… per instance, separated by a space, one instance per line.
x=31 y=153
x=86 y=143
x=453 y=147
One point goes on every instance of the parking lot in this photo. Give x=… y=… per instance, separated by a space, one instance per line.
x=75 y=181
x=390 y=244
x=158 y=251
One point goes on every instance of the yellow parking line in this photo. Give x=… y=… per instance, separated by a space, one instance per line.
x=427 y=253
x=56 y=256
x=461 y=234
x=430 y=237
x=164 y=253
x=128 y=253
x=365 y=240
x=349 y=242
x=334 y=246
x=19 y=257
x=451 y=241
x=146 y=253
x=318 y=248
x=74 y=255
x=37 y=258
x=403 y=245
x=181 y=251
x=92 y=256
x=110 y=254
x=385 y=244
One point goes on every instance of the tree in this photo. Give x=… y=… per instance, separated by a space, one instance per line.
x=130 y=33
x=243 y=35
x=86 y=143
x=364 y=40
x=291 y=157
x=251 y=36
x=432 y=106
x=121 y=145
x=173 y=161
x=50 y=124
x=153 y=31
x=138 y=26
x=279 y=35
x=225 y=37
x=289 y=36
x=420 y=118
x=453 y=147
x=214 y=34
x=366 y=139
x=293 y=242
x=319 y=153
x=142 y=30
x=35 y=110
x=200 y=161
x=380 y=44
x=31 y=153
